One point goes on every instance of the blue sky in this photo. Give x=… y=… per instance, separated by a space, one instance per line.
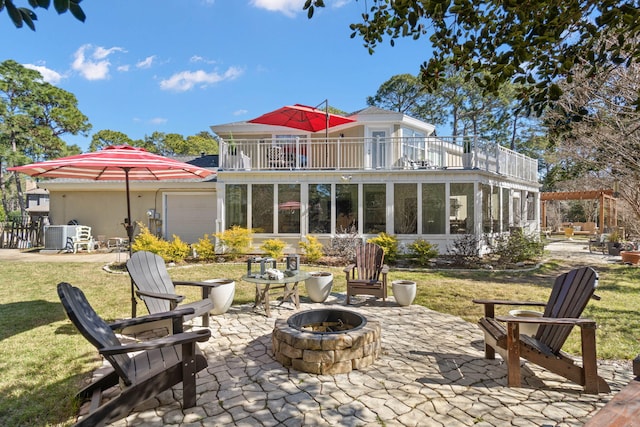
x=179 y=66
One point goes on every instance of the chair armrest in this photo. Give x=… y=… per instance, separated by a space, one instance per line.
x=548 y=320
x=205 y=286
x=489 y=304
x=175 y=314
x=507 y=302
x=348 y=268
x=169 y=341
x=170 y=297
x=385 y=269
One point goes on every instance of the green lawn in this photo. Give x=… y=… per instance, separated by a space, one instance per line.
x=44 y=360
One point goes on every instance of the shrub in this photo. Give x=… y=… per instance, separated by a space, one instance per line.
x=205 y=248
x=343 y=247
x=423 y=251
x=176 y=251
x=517 y=247
x=145 y=241
x=274 y=248
x=389 y=245
x=465 y=250
x=312 y=249
x=235 y=241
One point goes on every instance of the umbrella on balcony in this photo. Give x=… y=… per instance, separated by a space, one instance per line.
x=302 y=117
x=116 y=163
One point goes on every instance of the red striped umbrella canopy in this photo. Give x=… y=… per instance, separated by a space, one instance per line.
x=116 y=163
x=302 y=117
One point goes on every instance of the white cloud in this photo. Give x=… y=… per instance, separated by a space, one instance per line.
x=92 y=63
x=48 y=75
x=198 y=58
x=286 y=7
x=186 y=80
x=123 y=68
x=147 y=62
x=158 y=121
x=240 y=112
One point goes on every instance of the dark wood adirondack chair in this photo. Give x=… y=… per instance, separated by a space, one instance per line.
x=154 y=286
x=368 y=276
x=562 y=311
x=157 y=366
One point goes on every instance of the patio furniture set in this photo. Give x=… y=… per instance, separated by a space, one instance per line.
x=182 y=360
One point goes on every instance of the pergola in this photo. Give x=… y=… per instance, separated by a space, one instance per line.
x=604 y=197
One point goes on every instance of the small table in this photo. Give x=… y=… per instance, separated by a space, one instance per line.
x=288 y=283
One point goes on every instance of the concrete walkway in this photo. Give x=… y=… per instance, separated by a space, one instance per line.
x=431 y=373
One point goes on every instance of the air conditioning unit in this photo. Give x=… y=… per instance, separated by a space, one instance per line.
x=56 y=237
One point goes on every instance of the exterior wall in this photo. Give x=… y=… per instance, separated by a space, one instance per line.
x=506 y=215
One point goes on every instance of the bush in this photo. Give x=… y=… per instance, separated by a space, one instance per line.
x=517 y=247
x=343 y=247
x=145 y=241
x=423 y=251
x=176 y=251
x=274 y=248
x=205 y=248
x=235 y=241
x=389 y=245
x=465 y=250
x=312 y=249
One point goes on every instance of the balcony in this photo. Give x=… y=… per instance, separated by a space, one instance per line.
x=391 y=153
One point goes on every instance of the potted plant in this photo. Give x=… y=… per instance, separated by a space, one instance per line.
x=319 y=285
x=404 y=291
x=222 y=295
x=614 y=243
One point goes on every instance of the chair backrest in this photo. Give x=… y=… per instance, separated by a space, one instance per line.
x=569 y=296
x=83 y=233
x=369 y=260
x=149 y=273
x=93 y=327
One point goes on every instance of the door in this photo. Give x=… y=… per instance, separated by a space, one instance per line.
x=376 y=149
x=189 y=215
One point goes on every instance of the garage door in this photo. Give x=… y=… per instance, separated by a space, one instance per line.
x=189 y=215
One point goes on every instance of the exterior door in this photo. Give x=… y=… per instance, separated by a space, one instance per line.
x=376 y=149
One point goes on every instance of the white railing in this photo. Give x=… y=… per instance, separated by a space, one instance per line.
x=376 y=154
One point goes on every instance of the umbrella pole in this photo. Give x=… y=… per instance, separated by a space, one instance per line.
x=129 y=228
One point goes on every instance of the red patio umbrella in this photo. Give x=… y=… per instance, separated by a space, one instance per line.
x=302 y=117
x=116 y=163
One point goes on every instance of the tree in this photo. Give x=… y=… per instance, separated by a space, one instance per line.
x=33 y=117
x=402 y=93
x=24 y=15
x=535 y=42
x=595 y=128
x=106 y=137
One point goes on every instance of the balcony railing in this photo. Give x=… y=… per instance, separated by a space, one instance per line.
x=390 y=153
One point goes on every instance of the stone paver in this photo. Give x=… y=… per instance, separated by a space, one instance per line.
x=431 y=372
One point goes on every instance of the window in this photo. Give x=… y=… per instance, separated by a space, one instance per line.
x=490 y=208
x=405 y=205
x=461 y=205
x=262 y=208
x=413 y=144
x=319 y=208
x=375 y=208
x=288 y=208
x=236 y=205
x=505 y=209
x=433 y=209
x=346 y=208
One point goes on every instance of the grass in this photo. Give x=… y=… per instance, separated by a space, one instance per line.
x=43 y=360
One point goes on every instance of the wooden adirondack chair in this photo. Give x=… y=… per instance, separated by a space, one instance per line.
x=157 y=366
x=368 y=275
x=568 y=298
x=154 y=286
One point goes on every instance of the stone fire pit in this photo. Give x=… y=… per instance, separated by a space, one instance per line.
x=326 y=341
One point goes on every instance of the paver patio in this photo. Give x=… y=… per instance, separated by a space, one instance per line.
x=431 y=373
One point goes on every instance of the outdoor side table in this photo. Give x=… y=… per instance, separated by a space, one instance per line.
x=289 y=285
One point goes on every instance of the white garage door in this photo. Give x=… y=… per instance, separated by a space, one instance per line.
x=189 y=215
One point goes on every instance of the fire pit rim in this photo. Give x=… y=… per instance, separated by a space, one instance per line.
x=318 y=317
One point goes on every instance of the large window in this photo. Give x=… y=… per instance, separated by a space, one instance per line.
x=262 y=208
x=319 y=208
x=236 y=205
x=375 y=208
x=433 y=209
x=346 y=208
x=405 y=205
x=288 y=208
x=505 y=208
x=490 y=208
x=413 y=146
x=461 y=205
